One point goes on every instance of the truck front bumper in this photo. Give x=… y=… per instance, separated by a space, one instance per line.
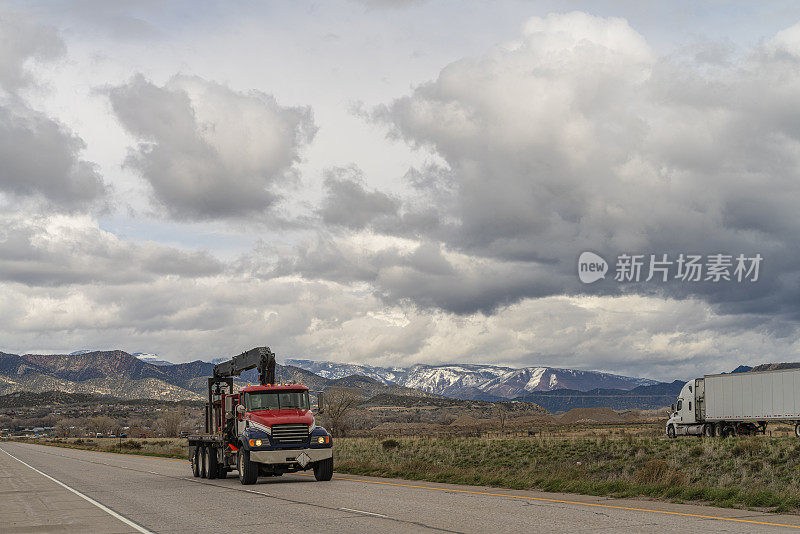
x=290 y=456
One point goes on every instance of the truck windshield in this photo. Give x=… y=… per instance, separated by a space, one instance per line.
x=277 y=400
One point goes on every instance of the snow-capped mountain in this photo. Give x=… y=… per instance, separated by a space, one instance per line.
x=151 y=358
x=335 y=370
x=477 y=381
x=148 y=357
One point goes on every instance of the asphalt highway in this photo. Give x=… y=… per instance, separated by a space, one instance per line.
x=48 y=489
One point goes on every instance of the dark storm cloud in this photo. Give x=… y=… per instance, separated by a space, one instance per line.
x=207 y=151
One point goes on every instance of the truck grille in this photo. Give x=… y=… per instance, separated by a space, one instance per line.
x=290 y=433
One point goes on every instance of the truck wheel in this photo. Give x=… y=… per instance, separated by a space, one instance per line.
x=248 y=471
x=797 y=430
x=196 y=461
x=708 y=430
x=719 y=428
x=201 y=460
x=210 y=458
x=670 y=431
x=728 y=431
x=323 y=470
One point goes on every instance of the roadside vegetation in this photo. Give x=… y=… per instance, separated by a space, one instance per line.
x=742 y=472
x=755 y=472
x=161 y=447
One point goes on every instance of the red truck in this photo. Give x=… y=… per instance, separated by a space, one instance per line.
x=263 y=430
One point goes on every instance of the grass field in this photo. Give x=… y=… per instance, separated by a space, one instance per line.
x=749 y=472
x=756 y=472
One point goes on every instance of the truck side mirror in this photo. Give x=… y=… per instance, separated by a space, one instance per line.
x=240 y=408
x=320 y=402
x=673 y=407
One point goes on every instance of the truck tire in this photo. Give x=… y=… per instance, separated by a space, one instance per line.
x=210 y=458
x=248 y=471
x=323 y=470
x=797 y=430
x=719 y=428
x=196 y=461
x=708 y=430
x=671 y=432
x=201 y=458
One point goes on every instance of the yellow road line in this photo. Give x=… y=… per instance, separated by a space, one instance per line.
x=544 y=499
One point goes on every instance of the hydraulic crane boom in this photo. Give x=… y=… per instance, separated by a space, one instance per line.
x=259 y=357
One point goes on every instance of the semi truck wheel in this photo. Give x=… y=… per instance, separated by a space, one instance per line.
x=708 y=430
x=201 y=453
x=718 y=430
x=797 y=430
x=210 y=457
x=248 y=471
x=196 y=461
x=670 y=431
x=323 y=470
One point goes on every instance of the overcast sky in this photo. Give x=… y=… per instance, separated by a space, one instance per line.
x=399 y=182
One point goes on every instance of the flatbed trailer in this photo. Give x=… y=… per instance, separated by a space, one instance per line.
x=263 y=430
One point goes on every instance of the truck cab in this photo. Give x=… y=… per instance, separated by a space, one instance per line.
x=685 y=416
x=275 y=419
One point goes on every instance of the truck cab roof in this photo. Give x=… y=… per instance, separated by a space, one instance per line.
x=274 y=387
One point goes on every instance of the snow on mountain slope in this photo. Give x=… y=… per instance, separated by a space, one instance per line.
x=471 y=381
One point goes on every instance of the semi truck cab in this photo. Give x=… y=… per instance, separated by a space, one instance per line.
x=277 y=428
x=685 y=414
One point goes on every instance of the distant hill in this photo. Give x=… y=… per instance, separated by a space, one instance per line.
x=639 y=398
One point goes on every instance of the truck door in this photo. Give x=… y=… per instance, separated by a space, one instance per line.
x=700 y=398
x=240 y=417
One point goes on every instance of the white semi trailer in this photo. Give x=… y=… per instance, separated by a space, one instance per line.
x=737 y=403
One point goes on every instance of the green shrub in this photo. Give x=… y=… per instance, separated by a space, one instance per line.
x=390 y=444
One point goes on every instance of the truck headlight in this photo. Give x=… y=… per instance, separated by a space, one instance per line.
x=258 y=443
x=321 y=439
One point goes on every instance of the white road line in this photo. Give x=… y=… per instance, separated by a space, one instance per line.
x=106 y=509
x=362 y=512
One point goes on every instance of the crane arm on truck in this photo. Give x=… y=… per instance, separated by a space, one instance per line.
x=259 y=357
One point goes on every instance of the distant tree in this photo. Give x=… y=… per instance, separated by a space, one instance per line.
x=171 y=421
x=338 y=405
x=502 y=414
x=70 y=428
x=101 y=424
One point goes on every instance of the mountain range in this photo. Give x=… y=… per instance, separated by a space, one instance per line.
x=119 y=374
x=480 y=382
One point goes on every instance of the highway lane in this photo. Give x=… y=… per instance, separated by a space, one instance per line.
x=160 y=495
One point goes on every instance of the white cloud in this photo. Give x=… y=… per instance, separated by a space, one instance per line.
x=210 y=152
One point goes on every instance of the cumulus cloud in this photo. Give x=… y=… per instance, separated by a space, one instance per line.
x=39 y=157
x=578 y=137
x=24 y=39
x=70 y=250
x=207 y=151
x=349 y=204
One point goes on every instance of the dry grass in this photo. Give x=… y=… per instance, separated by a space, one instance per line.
x=754 y=472
x=162 y=447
